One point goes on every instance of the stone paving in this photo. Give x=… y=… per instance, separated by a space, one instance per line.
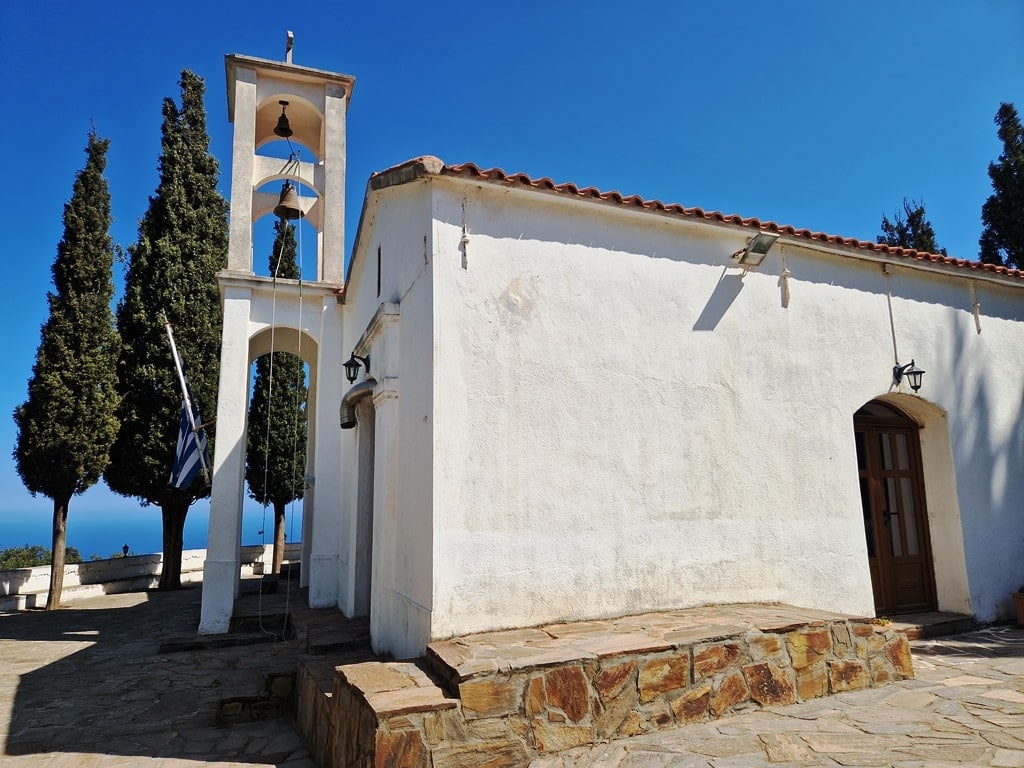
x=88 y=686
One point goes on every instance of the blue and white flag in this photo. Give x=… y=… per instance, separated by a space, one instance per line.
x=191 y=456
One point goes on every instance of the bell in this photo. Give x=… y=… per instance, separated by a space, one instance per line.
x=288 y=206
x=283 y=129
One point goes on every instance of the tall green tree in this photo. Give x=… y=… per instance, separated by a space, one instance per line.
x=67 y=425
x=172 y=273
x=275 y=457
x=910 y=228
x=1002 y=215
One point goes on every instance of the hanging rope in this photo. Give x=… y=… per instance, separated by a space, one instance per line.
x=299 y=375
x=293 y=161
x=892 y=324
x=266 y=434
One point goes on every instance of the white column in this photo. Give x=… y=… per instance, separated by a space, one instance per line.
x=221 y=569
x=332 y=245
x=243 y=151
x=362 y=522
x=324 y=528
x=386 y=631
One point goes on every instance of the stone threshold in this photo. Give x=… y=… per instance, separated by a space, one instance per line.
x=502 y=699
x=918 y=626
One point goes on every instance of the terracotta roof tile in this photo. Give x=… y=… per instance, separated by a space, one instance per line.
x=497 y=175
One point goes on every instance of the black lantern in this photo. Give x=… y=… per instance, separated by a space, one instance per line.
x=911 y=371
x=352 y=367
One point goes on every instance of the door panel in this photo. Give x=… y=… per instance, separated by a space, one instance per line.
x=895 y=521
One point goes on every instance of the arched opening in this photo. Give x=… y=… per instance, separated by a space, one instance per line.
x=291 y=163
x=275 y=461
x=305 y=239
x=279 y=448
x=896 y=523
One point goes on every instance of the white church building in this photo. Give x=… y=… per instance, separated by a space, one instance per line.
x=572 y=404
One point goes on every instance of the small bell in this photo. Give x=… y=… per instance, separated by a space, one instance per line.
x=283 y=128
x=288 y=206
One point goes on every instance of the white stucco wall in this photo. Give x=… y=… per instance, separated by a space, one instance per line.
x=624 y=422
x=598 y=414
x=400 y=353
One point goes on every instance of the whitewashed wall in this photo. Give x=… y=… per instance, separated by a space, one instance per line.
x=399 y=223
x=617 y=420
x=625 y=422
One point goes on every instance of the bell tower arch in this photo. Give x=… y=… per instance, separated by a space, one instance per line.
x=271 y=101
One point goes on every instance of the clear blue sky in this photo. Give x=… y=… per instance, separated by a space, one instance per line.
x=817 y=114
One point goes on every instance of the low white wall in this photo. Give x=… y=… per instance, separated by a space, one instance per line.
x=23 y=588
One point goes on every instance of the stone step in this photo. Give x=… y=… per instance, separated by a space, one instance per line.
x=506 y=698
x=933 y=624
x=209 y=642
x=276 y=626
x=249 y=709
x=338 y=637
x=277 y=699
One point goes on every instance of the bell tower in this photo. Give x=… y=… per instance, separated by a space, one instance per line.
x=289 y=128
x=269 y=101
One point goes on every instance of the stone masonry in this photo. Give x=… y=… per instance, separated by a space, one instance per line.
x=502 y=699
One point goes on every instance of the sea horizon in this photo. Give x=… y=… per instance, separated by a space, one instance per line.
x=98 y=534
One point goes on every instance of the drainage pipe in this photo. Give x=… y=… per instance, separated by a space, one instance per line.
x=352 y=398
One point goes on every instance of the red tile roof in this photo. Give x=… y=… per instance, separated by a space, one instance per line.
x=412 y=168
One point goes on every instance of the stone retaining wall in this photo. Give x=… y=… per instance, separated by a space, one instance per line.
x=476 y=704
x=23 y=588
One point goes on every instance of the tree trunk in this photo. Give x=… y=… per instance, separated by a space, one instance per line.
x=57 y=552
x=173 y=512
x=279 y=510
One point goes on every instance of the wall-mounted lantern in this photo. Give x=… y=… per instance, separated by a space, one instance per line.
x=352 y=366
x=911 y=371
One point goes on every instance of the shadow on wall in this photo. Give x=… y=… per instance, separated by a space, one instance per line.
x=994 y=532
x=726 y=290
x=93 y=681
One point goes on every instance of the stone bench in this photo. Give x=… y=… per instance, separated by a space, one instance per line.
x=506 y=698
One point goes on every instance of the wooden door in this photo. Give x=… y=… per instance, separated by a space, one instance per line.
x=895 y=519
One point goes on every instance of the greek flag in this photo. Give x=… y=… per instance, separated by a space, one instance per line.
x=191 y=455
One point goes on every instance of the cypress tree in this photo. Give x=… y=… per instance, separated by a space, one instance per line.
x=276 y=442
x=910 y=228
x=172 y=273
x=1002 y=215
x=67 y=425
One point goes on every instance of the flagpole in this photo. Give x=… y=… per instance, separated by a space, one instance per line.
x=188 y=400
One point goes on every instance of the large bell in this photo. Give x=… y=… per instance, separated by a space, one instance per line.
x=288 y=206
x=283 y=128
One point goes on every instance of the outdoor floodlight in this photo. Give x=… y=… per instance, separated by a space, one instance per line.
x=754 y=252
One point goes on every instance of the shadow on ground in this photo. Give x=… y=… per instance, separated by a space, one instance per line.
x=94 y=680
x=995 y=641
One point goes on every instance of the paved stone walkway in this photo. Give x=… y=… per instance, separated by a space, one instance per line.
x=88 y=686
